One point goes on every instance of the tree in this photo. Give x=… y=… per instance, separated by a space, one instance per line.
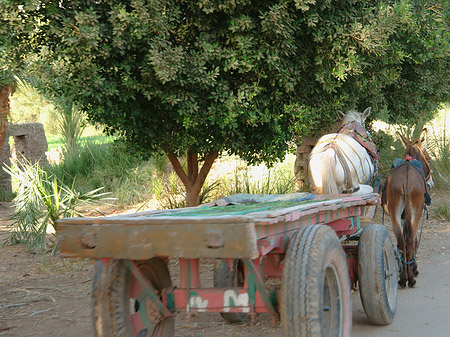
x=243 y=77
x=7 y=87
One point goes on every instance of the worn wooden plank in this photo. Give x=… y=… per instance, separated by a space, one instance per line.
x=308 y=209
x=160 y=220
x=144 y=235
x=145 y=241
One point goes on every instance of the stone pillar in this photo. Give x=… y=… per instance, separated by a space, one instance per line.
x=302 y=155
x=301 y=163
x=5 y=179
x=29 y=143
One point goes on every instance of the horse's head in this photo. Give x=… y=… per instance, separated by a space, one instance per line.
x=353 y=115
x=416 y=149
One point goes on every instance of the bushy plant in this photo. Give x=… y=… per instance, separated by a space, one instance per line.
x=41 y=200
x=70 y=127
x=108 y=165
x=390 y=148
x=260 y=180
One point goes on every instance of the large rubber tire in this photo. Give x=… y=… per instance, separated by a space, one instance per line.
x=120 y=302
x=315 y=289
x=378 y=277
x=224 y=278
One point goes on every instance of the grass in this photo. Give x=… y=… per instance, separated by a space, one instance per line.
x=107 y=165
x=442 y=211
x=56 y=141
x=260 y=179
x=54 y=265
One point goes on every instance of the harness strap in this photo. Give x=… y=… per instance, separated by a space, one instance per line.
x=347 y=173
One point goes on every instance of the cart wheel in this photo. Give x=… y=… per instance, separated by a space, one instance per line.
x=100 y=312
x=315 y=289
x=121 y=306
x=224 y=278
x=377 y=275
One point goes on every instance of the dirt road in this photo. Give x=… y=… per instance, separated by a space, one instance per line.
x=45 y=296
x=423 y=311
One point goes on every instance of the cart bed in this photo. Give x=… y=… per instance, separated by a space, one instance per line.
x=240 y=226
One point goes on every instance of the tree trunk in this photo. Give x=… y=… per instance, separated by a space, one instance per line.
x=303 y=151
x=4 y=111
x=194 y=178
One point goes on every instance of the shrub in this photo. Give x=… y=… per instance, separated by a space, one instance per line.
x=41 y=200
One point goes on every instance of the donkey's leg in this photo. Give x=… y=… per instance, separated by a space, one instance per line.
x=401 y=245
x=410 y=254
x=416 y=217
x=415 y=271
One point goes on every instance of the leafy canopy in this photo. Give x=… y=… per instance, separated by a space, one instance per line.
x=240 y=76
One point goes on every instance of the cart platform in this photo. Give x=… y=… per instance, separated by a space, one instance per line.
x=240 y=226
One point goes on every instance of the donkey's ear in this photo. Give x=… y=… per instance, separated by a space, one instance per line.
x=366 y=113
x=423 y=138
x=403 y=139
x=341 y=114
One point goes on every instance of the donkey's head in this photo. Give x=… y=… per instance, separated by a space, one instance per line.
x=353 y=115
x=416 y=149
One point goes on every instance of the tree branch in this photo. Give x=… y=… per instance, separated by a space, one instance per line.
x=192 y=166
x=209 y=161
x=179 y=170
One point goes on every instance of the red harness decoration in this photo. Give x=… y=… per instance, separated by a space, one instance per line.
x=408 y=158
x=358 y=133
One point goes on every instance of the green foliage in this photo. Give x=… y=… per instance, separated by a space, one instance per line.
x=390 y=149
x=6 y=77
x=238 y=77
x=28 y=105
x=102 y=164
x=439 y=148
x=207 y=76
x=70 y=126
x=40 y=201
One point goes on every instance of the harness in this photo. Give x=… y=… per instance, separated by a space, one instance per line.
x=347 y=173
x=414 y=163
x=356 y=130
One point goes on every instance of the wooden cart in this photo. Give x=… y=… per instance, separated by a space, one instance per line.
x=315 y=247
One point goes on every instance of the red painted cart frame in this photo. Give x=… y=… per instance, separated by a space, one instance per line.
x=259 y=239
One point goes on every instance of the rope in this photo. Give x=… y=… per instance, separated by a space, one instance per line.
x=360 y=161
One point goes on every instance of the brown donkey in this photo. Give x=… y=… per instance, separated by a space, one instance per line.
x=405 y=196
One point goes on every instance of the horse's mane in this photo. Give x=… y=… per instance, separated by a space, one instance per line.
x=352 y=115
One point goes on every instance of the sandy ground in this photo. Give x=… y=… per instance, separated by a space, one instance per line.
x=49 y=296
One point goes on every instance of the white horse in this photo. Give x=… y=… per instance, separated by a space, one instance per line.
x=338 y=163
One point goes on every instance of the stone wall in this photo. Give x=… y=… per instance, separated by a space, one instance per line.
x=29 y=142
x=302 y=154
x=5 y=180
